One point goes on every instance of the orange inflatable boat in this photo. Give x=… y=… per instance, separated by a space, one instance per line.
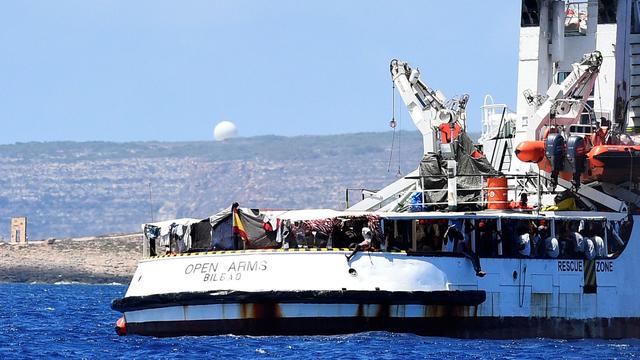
x=614 y=163
x=608 y=163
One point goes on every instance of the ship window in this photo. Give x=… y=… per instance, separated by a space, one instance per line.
x=517 y=237
x=607 y=12
x=585 y=118
x=530 y=15
x=398 y=234
x=576 y=16
x=617 y=236
x=532 y=238
x=430 y=235
x=486 y=237
x=635 y=17
x=561 y=76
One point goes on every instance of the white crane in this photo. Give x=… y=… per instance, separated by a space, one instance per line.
x=563 y=103
x=428 y=107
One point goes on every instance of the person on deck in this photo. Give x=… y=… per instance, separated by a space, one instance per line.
x=454 y=236
x=365 y=245
x=552 y=248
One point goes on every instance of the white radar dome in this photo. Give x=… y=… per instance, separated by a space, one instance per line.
x=225 y=130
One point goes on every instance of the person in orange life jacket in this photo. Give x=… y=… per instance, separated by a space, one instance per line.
x=364 y=245
x=523 y=203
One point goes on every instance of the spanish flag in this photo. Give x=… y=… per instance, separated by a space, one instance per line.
x=238 y=227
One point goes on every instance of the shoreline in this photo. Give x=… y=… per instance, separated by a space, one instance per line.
x=87 y=260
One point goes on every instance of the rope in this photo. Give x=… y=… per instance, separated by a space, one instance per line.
x=630 y=168
x=399 y=173
x=392 y=123
x=599 y=97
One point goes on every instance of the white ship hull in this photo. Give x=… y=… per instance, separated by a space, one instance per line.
x=318 y=292
x=563 y=136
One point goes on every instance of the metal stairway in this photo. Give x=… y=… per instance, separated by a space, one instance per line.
x=505 y=160
x=633 y=120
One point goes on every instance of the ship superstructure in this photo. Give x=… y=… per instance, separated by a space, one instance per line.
x=531 y=233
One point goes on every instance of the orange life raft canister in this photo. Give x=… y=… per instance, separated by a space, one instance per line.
x=530 y=151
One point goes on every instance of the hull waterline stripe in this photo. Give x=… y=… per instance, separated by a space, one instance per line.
x=457 y=298
x=459 y=327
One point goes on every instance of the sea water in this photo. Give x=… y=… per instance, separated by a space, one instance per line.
x=75 y=321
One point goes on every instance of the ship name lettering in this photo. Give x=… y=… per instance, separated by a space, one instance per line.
x=222 y=277
x=210 y=272
x=202 y=268
x=570 y=265
x=577 y=266
x=604 y=266
x=248 y=266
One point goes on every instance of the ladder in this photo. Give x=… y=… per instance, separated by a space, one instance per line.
x=633 y=120
x=505 y=159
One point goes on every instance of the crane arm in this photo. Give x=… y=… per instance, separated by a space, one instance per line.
x=422 y=102
x=564 y=102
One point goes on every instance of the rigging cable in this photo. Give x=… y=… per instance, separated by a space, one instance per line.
x=392 y=123
x=600 y=105
x=399 y=173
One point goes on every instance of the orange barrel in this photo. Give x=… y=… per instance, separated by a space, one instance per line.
x=497 y=193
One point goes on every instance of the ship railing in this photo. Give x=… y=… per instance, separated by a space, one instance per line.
x=518 y=187
x=364 y=194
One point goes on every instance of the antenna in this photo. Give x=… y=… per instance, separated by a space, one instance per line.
x=150 y=202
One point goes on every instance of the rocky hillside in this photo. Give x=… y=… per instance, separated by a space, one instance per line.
x=71 y=189
x=92 y=260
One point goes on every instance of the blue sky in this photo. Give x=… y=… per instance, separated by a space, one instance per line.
x=170 y=70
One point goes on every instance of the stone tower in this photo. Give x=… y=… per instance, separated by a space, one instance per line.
x=19 y=230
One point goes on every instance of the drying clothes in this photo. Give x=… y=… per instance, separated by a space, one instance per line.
x=151 y=232
x=222 y=236
x=178 y=230
x=186 y=238
x=176 y=238
x=325 y=226
x=270 y=223
x=284 y=232
x=201 y=235
x=165 y=233
x=249 y=226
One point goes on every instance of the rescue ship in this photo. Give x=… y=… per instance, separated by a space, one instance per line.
x=530 y=233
